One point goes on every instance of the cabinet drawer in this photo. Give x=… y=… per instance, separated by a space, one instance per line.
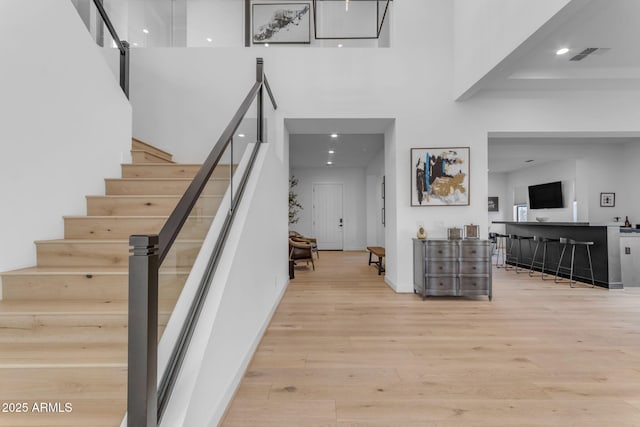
x=475 y=250
x=441 y=267
x=474 y=284
x=441 y=250
x=474 y=267
x=441 y=284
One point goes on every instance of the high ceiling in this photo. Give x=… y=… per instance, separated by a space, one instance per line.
x=510 y=153
x=613 y=26
x=358 y=142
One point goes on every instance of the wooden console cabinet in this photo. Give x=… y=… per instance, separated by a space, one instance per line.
x=451 y=267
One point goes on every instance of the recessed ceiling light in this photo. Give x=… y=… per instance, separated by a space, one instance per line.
x=329 y=163
x=144 y=30
x=209 y=39
x=266 y=45
x=334 y=135
x=135 y=44
x=562 y=51
x=331 y=152
x=241 y=135
x=340 y=45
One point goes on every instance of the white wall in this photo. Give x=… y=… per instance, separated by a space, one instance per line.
x=627 y=198
x=181 y=96
x=564 y=171
x=374 y=174
x=354 y=201
x=486 y=31
x=65 y=123
x=602 y=170
x=593 y=168
x=220 y=20
x=498 y=187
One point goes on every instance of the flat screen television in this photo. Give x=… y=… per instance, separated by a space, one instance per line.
x=546 y=196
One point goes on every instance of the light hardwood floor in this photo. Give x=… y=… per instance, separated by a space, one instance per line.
x=344 y=350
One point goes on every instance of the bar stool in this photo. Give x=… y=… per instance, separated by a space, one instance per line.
x=574 y=243
x=501 y=247
x=510 y=257
x=493 y=241
x=544 y=241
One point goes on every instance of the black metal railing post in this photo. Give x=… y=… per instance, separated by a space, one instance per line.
x=231 y=175
x=142 y=398
x=122 y=45
x=124 y=68
x=260 y=79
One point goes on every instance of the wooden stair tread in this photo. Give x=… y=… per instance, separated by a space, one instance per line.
x=151 y=196
x=71 y=307
x=101 y=241
x=117 y=270
x=97 y=217
x=145 y=157
x=161 y=179
x=141 y=217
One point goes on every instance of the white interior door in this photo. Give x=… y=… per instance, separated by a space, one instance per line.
x=328 y=221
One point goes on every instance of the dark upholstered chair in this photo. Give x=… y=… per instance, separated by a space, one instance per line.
x=301 y=251
x=294 y=235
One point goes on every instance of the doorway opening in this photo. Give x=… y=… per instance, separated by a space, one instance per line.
x=339 y=165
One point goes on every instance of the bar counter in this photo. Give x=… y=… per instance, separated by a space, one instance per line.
x=605 y=253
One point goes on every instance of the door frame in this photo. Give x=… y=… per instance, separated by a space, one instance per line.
x=313 y=209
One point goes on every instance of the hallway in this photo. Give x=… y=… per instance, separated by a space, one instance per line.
x=344 y=350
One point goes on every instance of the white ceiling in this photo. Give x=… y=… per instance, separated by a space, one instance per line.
x=611 y=24
x=351 y=150
x=359 y=141
x=341 y=126
x=508 y=154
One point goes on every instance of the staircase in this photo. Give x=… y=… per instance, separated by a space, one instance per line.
x=63 y=323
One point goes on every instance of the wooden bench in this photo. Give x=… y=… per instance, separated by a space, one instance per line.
x=379 y=252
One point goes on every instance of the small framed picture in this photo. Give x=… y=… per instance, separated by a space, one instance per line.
x=471 y=232
x=607 y=200
x=493 y=204
x=454 y=233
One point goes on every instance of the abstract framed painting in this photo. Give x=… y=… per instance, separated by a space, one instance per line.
x=440 y=176
x=281 y=23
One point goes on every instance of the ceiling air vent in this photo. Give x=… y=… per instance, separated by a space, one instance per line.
x=588 y=51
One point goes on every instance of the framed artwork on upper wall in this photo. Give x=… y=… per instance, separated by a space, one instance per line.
x=440 y=176
x=607 y=200
x=493 y=204
x=281 y=23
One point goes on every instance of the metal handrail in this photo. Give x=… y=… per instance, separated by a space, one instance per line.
x=182 y=210
x=147 y=401
x=122 y=45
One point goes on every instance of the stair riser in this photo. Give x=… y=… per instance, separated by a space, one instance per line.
x=67 y=328
x=160 y=187
x=122 y=228
x=134 y=206
x=139 y=156
x=60 y=254
x=98 y=287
